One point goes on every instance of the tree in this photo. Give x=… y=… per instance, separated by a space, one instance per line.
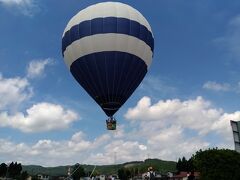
x=124 y=174
x=217 y=164
x=190 y=166
x=24 y=175
x=128 y=173
x=179 y=165
x=185 y=165
x=14 y=170
x=78 y=172
x=3 y=170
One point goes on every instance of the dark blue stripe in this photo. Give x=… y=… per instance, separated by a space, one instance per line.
x=107 y=25
x=109 y=77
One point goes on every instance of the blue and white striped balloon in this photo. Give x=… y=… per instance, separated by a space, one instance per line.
x=108 y=48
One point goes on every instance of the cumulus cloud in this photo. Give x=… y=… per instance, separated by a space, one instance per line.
x=48 y=152
x=165 y=129
x=222 y=125
x=36 y=67
x=197 y=115
x=26 y=7
x=40 y=117
x=211 y=85
x=101 y=150
x=13 y=91
x=171 y=142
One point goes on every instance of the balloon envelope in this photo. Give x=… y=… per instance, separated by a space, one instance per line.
x=108 y=48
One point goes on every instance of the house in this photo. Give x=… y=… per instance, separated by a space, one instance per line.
x=43 y=177
x=184 y=176
x=102 y=177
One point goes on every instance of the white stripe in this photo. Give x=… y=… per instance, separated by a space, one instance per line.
x=108 y=42
x=108 y=9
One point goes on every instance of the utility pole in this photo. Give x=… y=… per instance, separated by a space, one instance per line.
x=115 y=161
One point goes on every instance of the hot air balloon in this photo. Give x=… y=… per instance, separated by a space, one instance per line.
x=108 y=48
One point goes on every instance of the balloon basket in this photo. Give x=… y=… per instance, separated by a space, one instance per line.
x=111 y=124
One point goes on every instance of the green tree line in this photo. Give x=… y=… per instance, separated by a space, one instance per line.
x=13 y=170
x=213 y=164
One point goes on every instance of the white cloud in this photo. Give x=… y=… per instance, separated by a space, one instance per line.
x=13 y=91
x=175 y=128
x=36 y=67
x=197 y=115
x=49 y=153
x=142 y=147
x=171 y=143
x=16 y=2
x=26 y=7
x=102 y=150
x=43 y=116
x=127 y=150
x=166 y=130
x=222 y=125
x=40 y=117
x=223 y=87
x=211 y=85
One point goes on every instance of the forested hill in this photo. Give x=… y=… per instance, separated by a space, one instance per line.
x=140 y=166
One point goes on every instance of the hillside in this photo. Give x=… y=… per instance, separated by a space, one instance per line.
x=159 y=165
x=52 y=171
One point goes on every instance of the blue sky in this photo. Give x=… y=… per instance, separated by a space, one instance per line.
x=185 y=102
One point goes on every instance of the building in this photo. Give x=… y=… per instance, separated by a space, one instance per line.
x=184 y=176
x=236 y=134
x=43 y=177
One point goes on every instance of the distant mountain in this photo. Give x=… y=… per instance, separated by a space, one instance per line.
x=51 y=171
x=141 y=166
